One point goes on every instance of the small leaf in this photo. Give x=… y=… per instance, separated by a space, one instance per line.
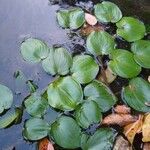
x=90 y=19
x=58 y=61
x=122 y=109
x=101 y=94
x=100 y=43
x=32 y=86
x=107 y=12
x=87 y=114
x=45 y=144
x=34 y=50
x=127 y=29
x=123 y=64
x=35 y=129
x=6 y=98
x=64 y=93
x=84 y=68
x=66 y=132
x=136 y=94
x=141 y=50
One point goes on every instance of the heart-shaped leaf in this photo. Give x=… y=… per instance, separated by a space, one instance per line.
x=100 y=43
x=34 y=50
x=6 y=98
x=36 y=105
x=64 y=93
x=141 y=50
x=58 y=61
x=72 y=18
x=107 y=12
x=35 y=129
x=136 y=94
x=131 y=29
x=123 y=64
x=66 y=132
x=84 y=68
x=101 y=94
x=87 y=114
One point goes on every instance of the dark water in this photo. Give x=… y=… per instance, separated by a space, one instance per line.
x=20 y=19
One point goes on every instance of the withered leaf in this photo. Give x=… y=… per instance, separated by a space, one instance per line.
x=122 y=109
x=45 y=144
x=146 y=146
x=90 y=19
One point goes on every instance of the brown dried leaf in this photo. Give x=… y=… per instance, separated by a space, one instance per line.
x=132 y=129
x=122 y=144
x=45 y=144
x=146 y=146
x=119 y=119
x=146 y=129
x=122 y=109
x=90 y=19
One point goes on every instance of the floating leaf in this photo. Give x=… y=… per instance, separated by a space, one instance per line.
x=66 y=132
x=34 y=50
x=90 y=19
x=36 y=105
x=136 y=94
x=131 y=29
x=32 y=86
x=72 y=18
x=100 y=43
x=64 y=93
x=141 y=50
x=45 y=144
x=123 y=64
x=35 y=129
x=101 y=94
x=58 y=61
x=6 y=98
x=84 y=68
x=102 y=139
x=87 y=114
x=107 y=12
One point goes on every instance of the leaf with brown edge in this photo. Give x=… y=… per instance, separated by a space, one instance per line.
x=146 y=129
x=146 y=146
x=132 y=129
x=45 y=144
x=90 y=19
x=122 y=109
x=119 y=119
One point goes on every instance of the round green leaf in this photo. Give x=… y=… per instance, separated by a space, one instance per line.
x=84 y=68
x=102 y=139
x=123 y=64
x=34 y=50
x=35 y=105
x=107 y=12
x=100 y=43
x=73 y=18
x=58 y=61
x=137 y=94
x=88 y=113
x=66 y=132
x=6 y=98
x=101 y=94
x=130 y=29
x=35 y=129
x=141 y=50
x=64 y=93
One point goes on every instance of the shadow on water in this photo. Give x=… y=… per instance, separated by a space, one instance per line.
x=22 y=19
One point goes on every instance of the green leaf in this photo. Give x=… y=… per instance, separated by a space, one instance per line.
x=66 y=132
x=107 y=12
x=10 y=117
x=100 y=43
x=137 y=94
x=87 y=114
x=72 y=18
x=32 y=86
x=58 y=61
x=36 y=105
x=34 y=50
x=35 y=129
x=101 y=94
x=64 y=93
x=123 y=64
x=84 y=68
x=102 y=139
x=6 y=98
x=130 y=29
x=141 y=50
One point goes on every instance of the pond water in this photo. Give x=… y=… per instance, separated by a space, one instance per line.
x=22 y=19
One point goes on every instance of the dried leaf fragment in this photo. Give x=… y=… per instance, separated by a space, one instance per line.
x=45 y=144
x=146 y=146
x=122 y=109
x=90 y=19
